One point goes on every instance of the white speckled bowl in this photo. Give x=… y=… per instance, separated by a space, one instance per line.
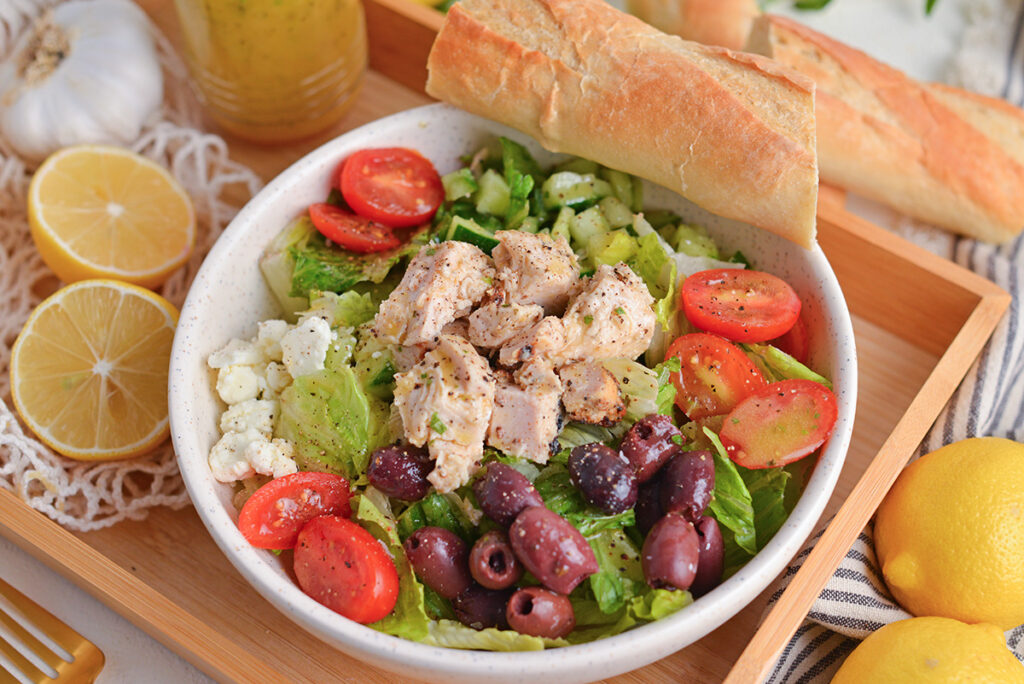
x=228 y=297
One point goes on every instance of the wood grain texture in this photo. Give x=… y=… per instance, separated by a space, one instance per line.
x=166 y=575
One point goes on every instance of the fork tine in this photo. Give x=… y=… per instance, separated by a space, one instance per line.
x=63 y=635
x=27 y=667
x=87 y=659
x=42 y=651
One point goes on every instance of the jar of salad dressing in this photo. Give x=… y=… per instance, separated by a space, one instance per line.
x=275 y=70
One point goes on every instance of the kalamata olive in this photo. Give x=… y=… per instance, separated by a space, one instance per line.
x=479 y=607
x=503 y=492
x=649 y=443
x=492 y=562
x=539 y=612
x=648 y=505
x=604 y=477
x=440 y=559
x=710 y=557
x=670 y=553
x=687 y=482
x=552 y=549
x=401 y=470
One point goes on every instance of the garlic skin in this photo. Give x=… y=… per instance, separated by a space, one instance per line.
x=87 y=72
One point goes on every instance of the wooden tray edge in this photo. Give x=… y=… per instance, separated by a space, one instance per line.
x=789 y=612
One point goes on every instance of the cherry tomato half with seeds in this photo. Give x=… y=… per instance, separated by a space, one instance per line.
x=274 y=514
x=739 y=304
x=780 y=423
x=714 y=376
x=352 y=232
x=344 y=567
x=795 y=342
x=395 y=186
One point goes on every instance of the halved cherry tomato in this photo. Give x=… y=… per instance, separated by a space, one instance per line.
x=782 y=422
x=342 y=566
x=355 y=233
x=395 y=186
x=715 y=375
x=795 y=342
x=274 y=514
x=739 y=304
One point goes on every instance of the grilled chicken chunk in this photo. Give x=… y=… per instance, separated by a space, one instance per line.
x=591 y=394
x=499 y=319
x=525 y=420
x=445 y=402
x=535 y=269
x=611 y=316
x=442 y=283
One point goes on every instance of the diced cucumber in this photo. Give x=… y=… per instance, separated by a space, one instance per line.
x=579 y=165
x=587 y=225
x=563 y=224
x=459 y=184
x=518 y=211
x=570 y=189
x=616 y=211
x=611 y=248
x=493 y=195
x=468 y=230
x=621 y=182
x=659 y=218
x=695 y=241
x=530 y=224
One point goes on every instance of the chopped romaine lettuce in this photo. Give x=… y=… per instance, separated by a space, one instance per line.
x=348 y=309
x=561 y=496
x=731 y=503
x=767 y=487
x=620 y=576
x=327 y=417
x=638 y=386
x=451 y=634
x=575 y=434
x=409 y=618
x=277 y=266
x=435 y=510
x=777 y=365
x=666 y=389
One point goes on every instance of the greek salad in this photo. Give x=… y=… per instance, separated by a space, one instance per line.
x=510 y=409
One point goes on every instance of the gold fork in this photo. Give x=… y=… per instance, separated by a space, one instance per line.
x=81 y=662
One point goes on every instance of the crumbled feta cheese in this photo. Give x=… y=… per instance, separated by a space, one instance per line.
x=253 y=414
x=227 y=457
x=304 y=347
x=236 y=353
x=268 y=338
x=274 y=458
x=277 y=377
x=236 y=384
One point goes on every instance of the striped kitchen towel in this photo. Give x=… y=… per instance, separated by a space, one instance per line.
x=990 y=401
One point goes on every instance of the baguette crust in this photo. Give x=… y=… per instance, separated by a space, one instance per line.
x=933 y=152
x=732 y=132
x=713 y=22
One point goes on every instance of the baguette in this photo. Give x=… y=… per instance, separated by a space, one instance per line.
x=713 y=22
x=733 y=133
x=943 y=155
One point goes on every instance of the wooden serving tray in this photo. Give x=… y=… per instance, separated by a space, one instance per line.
x=919 y=321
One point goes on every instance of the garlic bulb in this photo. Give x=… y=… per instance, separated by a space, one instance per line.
x=87 y=72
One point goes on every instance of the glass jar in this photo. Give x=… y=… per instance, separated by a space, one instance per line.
x=275 y=70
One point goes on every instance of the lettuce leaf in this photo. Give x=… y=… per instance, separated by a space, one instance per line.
x=620 y=577
x=658 y=603
x=767 y=488
x=409 y=618
x=561 y=496
x=435 y=510
x=329 y=419
x=653 y=604
x=347 y=310
x=638 y=386
x=666 y=390
x=327 y=268
x=574 y=434
x=777 y=365
x=731 y=503
x=451 y=634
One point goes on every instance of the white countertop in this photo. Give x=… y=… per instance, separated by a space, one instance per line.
x=895 y=31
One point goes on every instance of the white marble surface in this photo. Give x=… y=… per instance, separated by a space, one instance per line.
x=892 y=30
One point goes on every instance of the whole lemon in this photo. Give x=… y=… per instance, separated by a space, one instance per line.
x=950 y=533
x=932 y=650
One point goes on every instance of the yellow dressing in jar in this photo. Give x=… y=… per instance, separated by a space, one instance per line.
x=275 y=70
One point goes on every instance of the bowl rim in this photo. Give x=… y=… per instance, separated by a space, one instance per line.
x=602 y=655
